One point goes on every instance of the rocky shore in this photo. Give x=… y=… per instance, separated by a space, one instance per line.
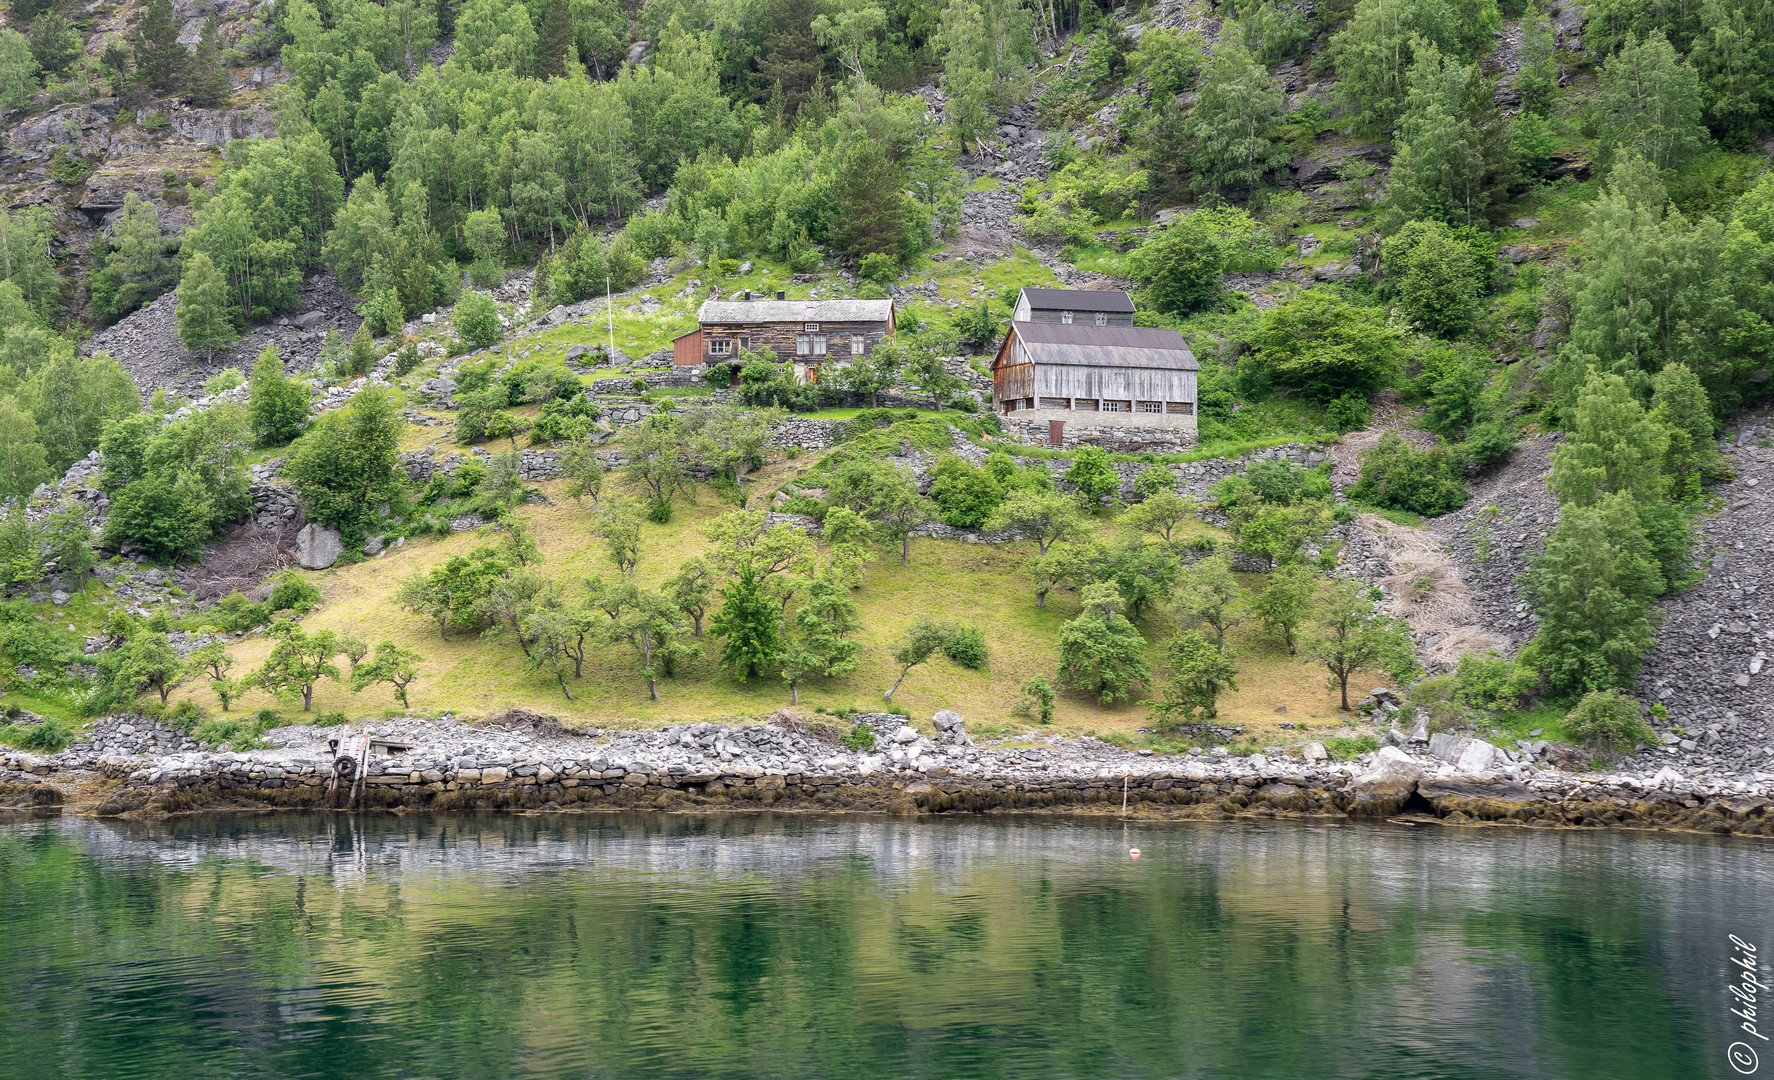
x=129 y=766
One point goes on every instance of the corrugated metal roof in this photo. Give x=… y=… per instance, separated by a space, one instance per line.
x=788 y=311
x=1102 y=346
x=1079 y=300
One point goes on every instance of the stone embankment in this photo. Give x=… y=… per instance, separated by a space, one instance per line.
x=130 y=766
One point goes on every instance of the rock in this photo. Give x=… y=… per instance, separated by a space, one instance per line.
x=318 y=547
x=905 y=735
x=1314 y=751
x=1466 y=755
x=308 y=320
x=58 y=598
x=1526 y=223
x=373 y=546
x=1388 y=785
x=947 y=720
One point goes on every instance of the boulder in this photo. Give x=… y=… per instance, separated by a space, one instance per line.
x=906 y=734
x=1466 y=755
x=318 y=547
x=1314 y=751
x=951 y=729
x=1387 y=786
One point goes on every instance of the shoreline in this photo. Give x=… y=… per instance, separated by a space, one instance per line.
x=534 y=766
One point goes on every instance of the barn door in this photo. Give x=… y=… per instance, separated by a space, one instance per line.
x=1056 y=432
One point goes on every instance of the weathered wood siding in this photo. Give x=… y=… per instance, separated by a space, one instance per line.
x=1013 y=381
x=1079 y=318
x=780 y=338
x=1135 y=384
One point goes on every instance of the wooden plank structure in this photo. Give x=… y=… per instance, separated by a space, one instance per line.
x=1104 y=369
x=1073 y=307
x=806 y=333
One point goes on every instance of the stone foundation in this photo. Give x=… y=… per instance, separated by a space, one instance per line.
x=1118 y=433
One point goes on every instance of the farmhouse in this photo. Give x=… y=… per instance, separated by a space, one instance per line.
x=1119 y=387
x=806 y=333
x=1073 y=307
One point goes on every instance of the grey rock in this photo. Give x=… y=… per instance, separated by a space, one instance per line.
x=318 y=547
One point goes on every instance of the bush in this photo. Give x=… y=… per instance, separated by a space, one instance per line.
x=564 y=420
x=967 y=647
x=293 y=594
x=477 y=320
x=1093 y=475
x=1398 y=476
x=226 y=379
x=236 y=614
x=1608 y=719
x=1351 y=412
x=1490 y=682
x=49 y=736
x=330 y=719
x=859 y=739
x=965 y=494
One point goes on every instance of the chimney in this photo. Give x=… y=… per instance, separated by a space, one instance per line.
x=748 y=294
x=780 y=295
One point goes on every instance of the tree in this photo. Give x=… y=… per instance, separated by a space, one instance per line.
x=1199 y=672
x=873 y=211
x=1732 y=58
x=344 y=468
x=205 y=316
x=1592 y=589
x=619 y=525
x=1397 y=475
x=207 y=81
x=924 y=638
x=1349 y=636
x=1181 y=269
x=1227 y=130
x=1439 y=170
x=884 y=493
x=509 y=600
x=75 y=399
x=728 y=439
x=1325 y=346
x=1615 y=447
x=820 y=646
x=1046 y=517
x=477 y=319
x=581 y=468
x=965 y=494
x=54 y=42
x=362 y=234
x=276 y=403
x=393 y=665
x=1649 y=101
x=874 y=371
x=23 y=464
x=1285 y=602
x=298 y=661
x=655 y=452
x=1537 y=79
x=1374 y=51
x=1159 y=514
x=1276 y=532
x=159 y=58
x=1093 y=475
x=1680 y=404
x=749 y=623
x=690 y=589
x=18 y=70
x=1210 y=594
x=147 y=661
x=847 y=535
x=1432 y=275
x=554 y=638
x=451 y=595
x=1058 y=565
x=1607 y=720
x=137 y=268
x=1100 y=650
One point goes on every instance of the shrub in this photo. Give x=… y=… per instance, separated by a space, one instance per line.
x=235 y=613
x=293 y=594
x=47 y=737
x=860 y=739
x=1490 y=682
x=330 y=719
x=477 y=320
x=1351 y=412
x=1093 y=475
x=965 y=494
x=226 y=379
x=966 y=646
x=1397 y=475
x=1607 y=719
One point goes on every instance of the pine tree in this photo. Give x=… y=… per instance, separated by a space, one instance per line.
x=54 y=42
x=159 y=58
x=555 y=37
x=1227 y=130
x=749 y=624
x=205 y=311
x=208 y=82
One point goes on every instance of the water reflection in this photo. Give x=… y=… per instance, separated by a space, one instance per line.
x=652 y=946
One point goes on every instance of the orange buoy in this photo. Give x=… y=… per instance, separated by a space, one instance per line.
x=1133 y=853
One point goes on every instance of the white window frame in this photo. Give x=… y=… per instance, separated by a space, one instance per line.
x=858 y=344
x=811 y=328
x=1102 y=318
x=803 y=345
x=720 y=346
x=1065 y=317
x=818 y=344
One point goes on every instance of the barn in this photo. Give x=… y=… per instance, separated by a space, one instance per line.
x=1116 y=386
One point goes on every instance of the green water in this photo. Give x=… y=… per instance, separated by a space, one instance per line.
x=748 y=946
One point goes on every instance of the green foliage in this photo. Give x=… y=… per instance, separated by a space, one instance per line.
x=278 y=404
x=48 y=735
x=1487 y=681
x=965 y=494
x=1227 y=132
x=235 y=613
x=1347 y=636
x=298 y=661
x=1650 y=103
x=1399 y=476
x=1431 y=274
x=205 y=319
x=926 y=636
x=343 y=469
x=1608 y=719
x=860 y=739
x=1100 y=651
x=749 y=625
x=1181 y=269
x=18 y=70
x=477 y=320
x=176 y=486
x=1041 y=699
x=1324 y=346
x=1285 y=602
x=1092 y=475
x=1200 y=671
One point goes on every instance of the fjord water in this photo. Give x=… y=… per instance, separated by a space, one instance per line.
x=779 y=946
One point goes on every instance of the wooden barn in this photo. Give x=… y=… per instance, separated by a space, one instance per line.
x=1074 y=382
x=1073 y=307
x=807 y=333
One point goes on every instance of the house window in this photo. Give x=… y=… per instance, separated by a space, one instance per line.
x=811 y=328
x=858 y=344
x=810 y=345
x=1115 y=406
x=1151 y=406
x=1065 y=317
x=719 y=346
x=1102 y=319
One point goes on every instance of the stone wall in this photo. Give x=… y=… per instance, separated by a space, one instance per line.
x=1118 y=433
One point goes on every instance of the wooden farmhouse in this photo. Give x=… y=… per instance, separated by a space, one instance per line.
x=1114 y=386
x=1073 y=307
x=806 y=333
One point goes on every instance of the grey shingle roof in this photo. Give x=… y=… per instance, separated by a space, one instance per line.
x=789 y=311
x=1078 y=300
x=1105 y=346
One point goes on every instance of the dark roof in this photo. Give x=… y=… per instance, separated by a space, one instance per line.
x=1079 y=300
x=1103 y=346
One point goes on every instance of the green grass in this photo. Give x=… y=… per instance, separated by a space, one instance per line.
x=1397 y=517
x=1098 y=258
x=987 y=182
x=1505 y=728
